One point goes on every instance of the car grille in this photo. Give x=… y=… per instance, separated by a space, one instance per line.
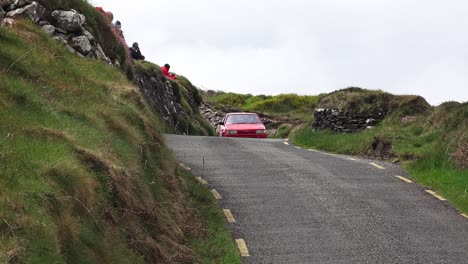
x=244 y=132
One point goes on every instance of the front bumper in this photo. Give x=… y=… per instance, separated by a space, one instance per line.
x=246 y=135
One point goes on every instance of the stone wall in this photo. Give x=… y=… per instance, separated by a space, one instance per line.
x=343 y=122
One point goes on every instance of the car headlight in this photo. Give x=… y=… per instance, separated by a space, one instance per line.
x=261 y=131
x=232 y=132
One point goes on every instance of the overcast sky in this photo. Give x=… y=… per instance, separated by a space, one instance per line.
x=306 y=46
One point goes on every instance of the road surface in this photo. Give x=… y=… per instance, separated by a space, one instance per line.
x=293 y=205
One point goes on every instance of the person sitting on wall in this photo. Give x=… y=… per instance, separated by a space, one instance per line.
x=165 y=70
x=118 y=27
x=136 y=53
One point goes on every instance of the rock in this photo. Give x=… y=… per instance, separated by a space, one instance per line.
x=49 y=29
x=88 y=35
x=91 y=56
x=34 y=11
x=7 y=22
x=81 y=44
x=69 y=20
x=100 y=53
x=43 y=23
x=61 y=38
x=20 y=3
x=70 y=49
x=61 y=30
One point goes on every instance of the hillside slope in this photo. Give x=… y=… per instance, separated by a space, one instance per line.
x=84 y=173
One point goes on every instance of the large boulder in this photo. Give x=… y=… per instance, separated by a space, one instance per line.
x=34 y=11
x=49 y=29
x=81 y=44
x=69 y=20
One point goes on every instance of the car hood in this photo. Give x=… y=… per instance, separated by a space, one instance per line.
x=244 y=126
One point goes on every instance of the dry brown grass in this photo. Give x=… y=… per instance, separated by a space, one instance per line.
x=460 y=156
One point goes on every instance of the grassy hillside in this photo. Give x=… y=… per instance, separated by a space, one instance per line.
x=84 y=174
x=290 y=105
x=355 y=99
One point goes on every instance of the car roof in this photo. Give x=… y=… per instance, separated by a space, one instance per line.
x=242 y=113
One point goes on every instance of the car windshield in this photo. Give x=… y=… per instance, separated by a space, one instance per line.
x=243 y=119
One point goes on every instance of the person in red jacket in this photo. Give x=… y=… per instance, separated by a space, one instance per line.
x=165 y=70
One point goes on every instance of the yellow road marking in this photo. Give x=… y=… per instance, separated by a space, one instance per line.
x=351 y=158
x=404 y=179
x=185 y=167
x=216 y=194
x=464 y=215
x=286 y=143
x=377 y=166
x=298 y=147
x=311 y=150
x=229 y=216
x=201 y=180
x=436 y=195
x=242 y=248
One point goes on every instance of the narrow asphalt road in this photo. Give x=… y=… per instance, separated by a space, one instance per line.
x=297 y=206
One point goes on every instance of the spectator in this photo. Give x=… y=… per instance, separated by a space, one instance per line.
x=136 y=53
x=108 y=15
x=118 y=27
x=165 y=70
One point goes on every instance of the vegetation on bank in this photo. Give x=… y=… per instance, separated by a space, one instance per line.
x=291 y=105
x=84 y=173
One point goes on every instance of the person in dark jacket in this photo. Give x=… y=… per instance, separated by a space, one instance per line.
x=165 y=70
x=136 y=53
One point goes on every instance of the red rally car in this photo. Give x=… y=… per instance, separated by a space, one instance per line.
x=246 y=125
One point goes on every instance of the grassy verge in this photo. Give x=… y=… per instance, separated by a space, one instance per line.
x=214 y=243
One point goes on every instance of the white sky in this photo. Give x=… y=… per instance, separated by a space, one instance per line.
x=306 y=46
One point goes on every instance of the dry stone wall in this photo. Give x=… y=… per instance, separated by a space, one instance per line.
x=345 y=122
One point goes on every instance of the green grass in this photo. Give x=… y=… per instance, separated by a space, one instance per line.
x=84 y=173
x=291 y=105
x=356 y=99
x=217 y=245
x=283 y=131
x=425 y=146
